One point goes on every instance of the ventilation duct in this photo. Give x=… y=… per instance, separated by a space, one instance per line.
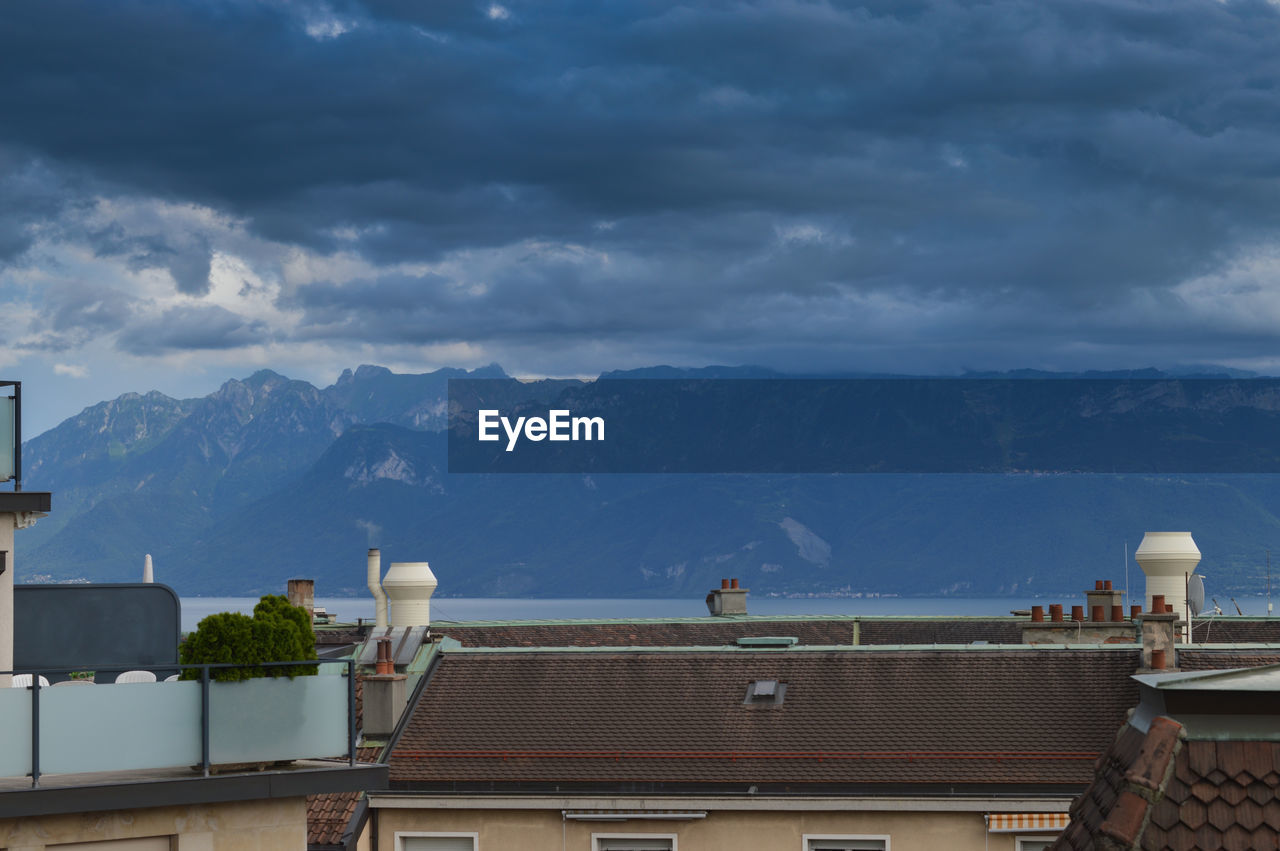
x=379 y=598
x=1168 y=559
x=409 y=586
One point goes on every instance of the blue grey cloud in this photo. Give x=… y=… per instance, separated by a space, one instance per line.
x=774 y=171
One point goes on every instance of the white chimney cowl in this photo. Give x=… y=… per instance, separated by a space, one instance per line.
x=1168 y=559
x=409 y=586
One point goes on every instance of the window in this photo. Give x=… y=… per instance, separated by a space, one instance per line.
x=846 y=843
x=1035 y=843
x=639 y=842
x=436 y=841
x=765 y=693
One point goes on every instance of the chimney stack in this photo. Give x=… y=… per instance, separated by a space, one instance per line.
x=729 y=599
x=1159 y=639
x=385 y=694
x=302 y=592
x=1101 y=621
x=148 y=574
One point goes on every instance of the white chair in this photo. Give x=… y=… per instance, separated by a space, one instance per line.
x=136 y=677
x=24 y=681
x=172 y=678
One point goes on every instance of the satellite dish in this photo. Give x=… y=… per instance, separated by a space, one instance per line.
x=1195 y=593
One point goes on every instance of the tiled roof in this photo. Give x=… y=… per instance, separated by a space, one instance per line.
x=708 y=632
x=940 y=631
x=1225 y=629
x=1157 y=791
x=1202 y=659
x=608 y=719
x=328 y=815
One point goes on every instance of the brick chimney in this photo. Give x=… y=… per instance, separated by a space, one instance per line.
x=1159 y=631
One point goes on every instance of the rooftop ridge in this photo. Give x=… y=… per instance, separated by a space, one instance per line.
x=803 y=648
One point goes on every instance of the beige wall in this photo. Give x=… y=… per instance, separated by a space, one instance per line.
x=238 y=826
x=540 y=830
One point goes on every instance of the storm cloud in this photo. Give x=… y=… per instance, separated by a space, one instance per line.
x=575 y=187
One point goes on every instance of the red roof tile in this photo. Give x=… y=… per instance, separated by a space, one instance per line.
x=329 y=814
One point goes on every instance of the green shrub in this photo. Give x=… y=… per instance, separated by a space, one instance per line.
x=277 y=632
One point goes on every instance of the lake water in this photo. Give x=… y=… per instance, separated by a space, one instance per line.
x=348 y=609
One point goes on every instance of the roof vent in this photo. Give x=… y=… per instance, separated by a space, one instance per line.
x=767 y=641
x=765 y=693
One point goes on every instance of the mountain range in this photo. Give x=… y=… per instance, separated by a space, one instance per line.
x=270 y=478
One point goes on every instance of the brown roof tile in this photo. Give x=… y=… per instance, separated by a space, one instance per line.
x=1235 y=630
x=915 y=717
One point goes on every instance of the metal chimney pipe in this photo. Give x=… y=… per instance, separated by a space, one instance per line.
x=148 y=574
x=375 y=586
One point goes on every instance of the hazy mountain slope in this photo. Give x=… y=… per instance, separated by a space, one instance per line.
x=677 y=535
x=84 y=457
x=270 y=478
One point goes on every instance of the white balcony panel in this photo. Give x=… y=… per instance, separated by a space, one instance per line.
x=119 y=727
x=264 y=720
x=15 y=716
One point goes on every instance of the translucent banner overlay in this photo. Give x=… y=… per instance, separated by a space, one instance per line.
x=1176 y=425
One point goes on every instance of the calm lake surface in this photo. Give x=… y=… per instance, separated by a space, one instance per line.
x=481 y=608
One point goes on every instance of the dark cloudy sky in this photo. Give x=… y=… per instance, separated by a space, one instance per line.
x=191 y=191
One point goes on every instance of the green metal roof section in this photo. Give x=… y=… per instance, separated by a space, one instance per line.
x=709 y=619
x=1265 y=679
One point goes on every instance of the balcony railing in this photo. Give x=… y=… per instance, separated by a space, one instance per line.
x=199 y=723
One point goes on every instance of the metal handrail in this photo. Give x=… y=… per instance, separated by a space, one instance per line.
x=35 y=689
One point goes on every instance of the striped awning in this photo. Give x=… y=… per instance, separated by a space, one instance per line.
x=1015 y=822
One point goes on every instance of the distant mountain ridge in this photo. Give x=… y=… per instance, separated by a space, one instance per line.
x=269 y=478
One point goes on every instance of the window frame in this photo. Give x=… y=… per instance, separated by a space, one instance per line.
x=1047 y=836
x=836 y=837
x=596 y=837
x=402 y=835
